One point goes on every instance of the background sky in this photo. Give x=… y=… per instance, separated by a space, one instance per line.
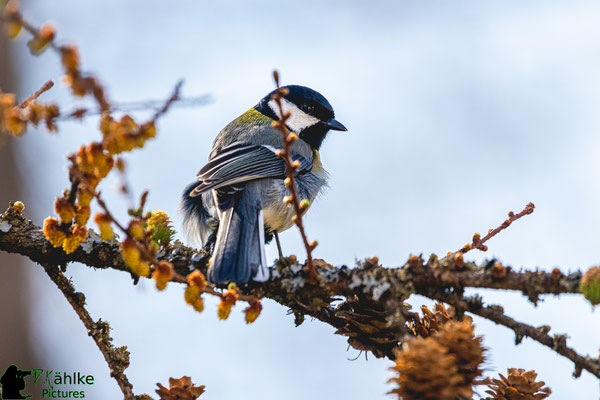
x=457 y=112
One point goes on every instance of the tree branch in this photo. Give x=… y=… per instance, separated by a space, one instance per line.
x=372 y=315
x=116 y=358
x=557 y=342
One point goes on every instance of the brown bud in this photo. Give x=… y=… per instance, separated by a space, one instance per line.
x=499 y=272
x=458 y=259
x=414 y=261
x=556 y=274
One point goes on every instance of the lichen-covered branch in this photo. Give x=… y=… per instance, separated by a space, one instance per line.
x=116 y=358
x=372 y=315
x=557 y=342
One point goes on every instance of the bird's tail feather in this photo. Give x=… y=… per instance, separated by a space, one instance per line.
x=239 y=252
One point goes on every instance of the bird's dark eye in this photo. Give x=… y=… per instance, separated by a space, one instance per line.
x=307 y=108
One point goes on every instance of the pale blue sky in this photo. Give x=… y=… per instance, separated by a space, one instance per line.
x=457 y=112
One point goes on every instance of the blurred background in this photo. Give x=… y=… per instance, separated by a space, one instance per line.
x=457 y=112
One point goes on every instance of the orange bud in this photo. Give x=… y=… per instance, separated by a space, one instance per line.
x=14 y=122
x=39 y=42
x=120 y=164
x=223 y=310
x=458 y=259
x=414 y=261
x=130 y=253
x=74 y=238
x=199 y=304
x=105 y=124
x=191 y=293
x=163 y=274
x=197 y=278
x=228 y=299
x=53 y=233
x=128 y=124
x=82 y=214
x=11 y=9
x=136 y=229
x=148 y=130
x=64 y=209
x=193 y=298
x=142 y=269
x=253 y=311
x=84 y=197
x=69 y=57
x=82 y=160
x=47 y=33
x=13 y=27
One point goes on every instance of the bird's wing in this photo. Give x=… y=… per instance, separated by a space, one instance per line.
x=240 y=162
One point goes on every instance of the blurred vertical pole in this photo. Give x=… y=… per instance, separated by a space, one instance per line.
x=14 y=288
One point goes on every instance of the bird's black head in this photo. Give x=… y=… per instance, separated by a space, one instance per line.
x=311 y=115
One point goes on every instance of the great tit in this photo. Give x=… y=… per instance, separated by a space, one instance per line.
x=239 y=193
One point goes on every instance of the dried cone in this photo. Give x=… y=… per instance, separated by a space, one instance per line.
x=426 y=371
x=517 y=385
x=180 y=389
x=368 y=328
x=431 y=321
x=460 y=340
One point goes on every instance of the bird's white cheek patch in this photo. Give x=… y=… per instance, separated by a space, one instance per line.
x=299 y=120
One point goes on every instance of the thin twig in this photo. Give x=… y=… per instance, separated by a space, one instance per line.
x=557 y=343
x=45 y=87
x=82 y=112
x=174 y=97
x=290 y=170
x=479 y=243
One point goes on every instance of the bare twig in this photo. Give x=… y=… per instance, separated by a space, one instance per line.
x=47 y=86
x=557 y=343
x=479 y=242
x=82 y=112
x=290 y=169
x=174 y=97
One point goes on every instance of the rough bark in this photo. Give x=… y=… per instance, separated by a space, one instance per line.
x=365 y=303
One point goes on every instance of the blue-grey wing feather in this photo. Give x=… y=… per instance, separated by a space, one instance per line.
x=244 y=162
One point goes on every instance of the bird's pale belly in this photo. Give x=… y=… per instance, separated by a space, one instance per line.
x=278 y=217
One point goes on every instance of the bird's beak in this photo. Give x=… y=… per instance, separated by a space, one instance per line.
x=334 y=125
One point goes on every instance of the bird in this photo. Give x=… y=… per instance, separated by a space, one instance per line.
x=237 y=197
